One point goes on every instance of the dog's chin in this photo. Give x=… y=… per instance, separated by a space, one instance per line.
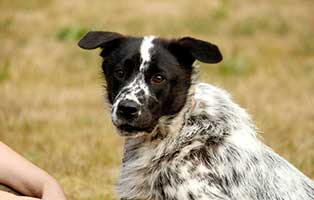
x=127 y=130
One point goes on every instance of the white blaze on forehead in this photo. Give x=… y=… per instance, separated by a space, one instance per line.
x=146 y=45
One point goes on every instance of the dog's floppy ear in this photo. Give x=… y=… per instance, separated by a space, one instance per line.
x=188 y=49
x=201 y=50
x=95 y=39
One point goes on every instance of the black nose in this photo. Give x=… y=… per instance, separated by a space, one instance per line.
x=128 y=109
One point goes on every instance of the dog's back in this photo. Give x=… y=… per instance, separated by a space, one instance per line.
x=215 y=155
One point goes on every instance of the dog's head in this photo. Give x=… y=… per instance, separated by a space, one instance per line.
x=148 y=77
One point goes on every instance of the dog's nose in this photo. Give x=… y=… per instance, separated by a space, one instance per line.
x=128 y=109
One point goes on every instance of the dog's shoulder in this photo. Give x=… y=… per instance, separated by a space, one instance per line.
x=213 y=114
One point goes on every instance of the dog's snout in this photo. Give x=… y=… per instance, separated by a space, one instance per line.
x=128 y=109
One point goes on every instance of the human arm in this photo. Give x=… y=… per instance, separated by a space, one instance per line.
x=9 y=196
x=26 y=178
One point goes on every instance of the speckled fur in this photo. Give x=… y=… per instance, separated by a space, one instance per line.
x=196 y=144
x=209 y=151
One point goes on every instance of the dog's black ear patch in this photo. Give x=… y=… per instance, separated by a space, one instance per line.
x=95 y=39
x=200 y=50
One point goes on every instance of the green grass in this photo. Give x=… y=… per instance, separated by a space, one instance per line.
x=236 y=65
x=5 y=71
x=53 y=108
x=71 y=33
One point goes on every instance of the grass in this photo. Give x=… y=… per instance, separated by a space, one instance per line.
x=72 y=33
x=52 y=108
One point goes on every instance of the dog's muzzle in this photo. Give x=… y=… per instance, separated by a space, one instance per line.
x=130 y=117
x=128 y=110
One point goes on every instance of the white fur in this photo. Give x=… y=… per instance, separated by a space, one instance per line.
x=146 y=46
x=233 y=150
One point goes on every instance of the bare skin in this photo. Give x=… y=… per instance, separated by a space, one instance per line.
x=26 y=178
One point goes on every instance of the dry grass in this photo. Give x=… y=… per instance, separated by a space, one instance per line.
x=52 y=103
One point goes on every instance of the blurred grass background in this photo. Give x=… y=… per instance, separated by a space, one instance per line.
x=52 y=108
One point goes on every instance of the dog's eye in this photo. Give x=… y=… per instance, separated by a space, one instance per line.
x=119 y=74
x=157 y=79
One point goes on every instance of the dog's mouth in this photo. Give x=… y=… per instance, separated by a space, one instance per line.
x=128 y=130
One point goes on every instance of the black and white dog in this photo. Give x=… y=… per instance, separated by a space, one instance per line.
x=185 y=141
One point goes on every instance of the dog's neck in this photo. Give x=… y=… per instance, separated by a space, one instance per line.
x=164 y=136
x=208 y=118
x=171 y=125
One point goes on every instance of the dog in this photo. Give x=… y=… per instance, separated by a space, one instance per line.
x=185 y=140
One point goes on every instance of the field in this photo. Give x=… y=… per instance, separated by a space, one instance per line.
x=52 y=108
